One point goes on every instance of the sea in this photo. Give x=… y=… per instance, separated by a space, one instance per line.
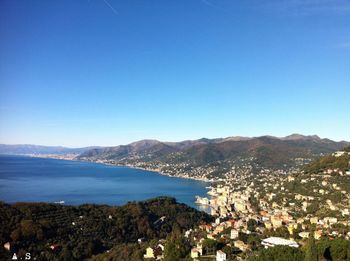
x=30 y=179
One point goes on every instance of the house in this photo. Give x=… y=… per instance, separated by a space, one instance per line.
x=338 y=153
x=230 y=223
x=290 y=178
x=276 y=222
x=330 y=220
x=7 y=246
x=240 y=206
x=318 y=234
x=207 y=228
x=241 y=245
x=194 y=253
x=200 y=248
x=300 y=220
x=238 y=224
x=149 y=253
x=219 y=229
x=210 y=236
x=345 y=212
x=291 y=228
x=154 y=252
x=234 y=233
x=220 y=256
x=314 y=220
x=268 y=225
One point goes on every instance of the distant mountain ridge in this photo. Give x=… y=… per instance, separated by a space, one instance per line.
x=263 y=152
x=38 y=149
x=219 y=155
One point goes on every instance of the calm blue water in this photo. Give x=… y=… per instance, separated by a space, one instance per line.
x=49 y=180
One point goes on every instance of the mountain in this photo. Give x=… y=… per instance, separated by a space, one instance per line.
x=268 y=151
x=257 y=153
x=301 y=137
x=146 y=148
x=37 y=149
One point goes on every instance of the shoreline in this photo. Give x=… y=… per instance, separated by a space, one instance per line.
x=58 y=157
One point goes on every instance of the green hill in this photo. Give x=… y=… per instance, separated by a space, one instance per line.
x=340 y=162
x=79 y=232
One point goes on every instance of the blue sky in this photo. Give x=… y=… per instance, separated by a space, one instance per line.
x=98 y=72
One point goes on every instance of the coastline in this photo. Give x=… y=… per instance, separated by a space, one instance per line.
x=72 y=157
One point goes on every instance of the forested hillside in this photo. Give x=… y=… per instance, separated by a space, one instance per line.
x=56 y=232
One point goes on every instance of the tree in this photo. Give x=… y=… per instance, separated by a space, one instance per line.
x=252 y=225
x=176 y=247
x=279 y=253
x=340 y=249
x=210 y=246
x=311 y=250
x=253 y=241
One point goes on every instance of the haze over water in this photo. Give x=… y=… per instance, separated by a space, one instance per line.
x=26 y=179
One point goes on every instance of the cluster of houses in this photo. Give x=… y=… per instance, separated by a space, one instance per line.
x=274 y=202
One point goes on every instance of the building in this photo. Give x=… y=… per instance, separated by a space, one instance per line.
x=278 y=241
x=194 y=253
x=276 y=221
x=314 y=220
x=220 y=256
x=219 y=229
x=149 y=253
x=234 y=233
x=318 y=234
x=154 y=252
x=304 y=234
x=7 y=246
x=268 y=225
x=241 y=245
x=230 y=223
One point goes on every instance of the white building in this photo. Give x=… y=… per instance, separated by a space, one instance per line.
x=234 y=233
x=194 y=253
x=278 y=241
x=220 y=256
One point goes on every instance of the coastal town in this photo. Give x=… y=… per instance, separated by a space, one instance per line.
x=222 y=171
x=268 y=209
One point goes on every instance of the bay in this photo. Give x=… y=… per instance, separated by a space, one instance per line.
x=29 y=179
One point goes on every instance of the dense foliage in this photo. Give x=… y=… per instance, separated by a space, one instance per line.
x=78 y=232
x=329 y=162
x=279 y=253
x=322 y=250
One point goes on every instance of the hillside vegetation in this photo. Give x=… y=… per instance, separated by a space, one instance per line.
x=79 y=232
x=341 y=163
